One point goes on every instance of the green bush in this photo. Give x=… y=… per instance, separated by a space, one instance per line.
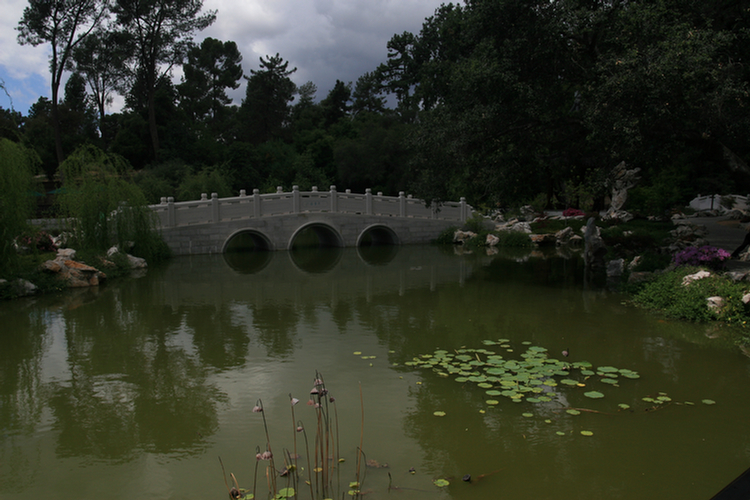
x=101 y=207
x=667 y=293
x=17 y=165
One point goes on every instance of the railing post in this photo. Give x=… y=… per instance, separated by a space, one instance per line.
x=170 y=212
x=243 y=193
x=334 y=200
x=256 y=203
x=401 y=204
x=368 y=201
x=464 y=215
x=433 y=210
x=215 y=207
x=295 y=199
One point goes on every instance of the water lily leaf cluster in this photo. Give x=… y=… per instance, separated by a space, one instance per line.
x=534 y=377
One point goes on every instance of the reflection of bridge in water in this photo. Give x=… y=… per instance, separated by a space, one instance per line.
x=274 y=221
x=328 y=274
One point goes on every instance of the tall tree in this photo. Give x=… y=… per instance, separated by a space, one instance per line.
x=265 y=109
x=161 y=31
x=102 y=59
x=64 y=24
x=336 y=104
x=211 y=68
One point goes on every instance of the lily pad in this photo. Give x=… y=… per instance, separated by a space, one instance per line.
x=624 y=406
x=441 y=483
x=708 y=401
x=560 y=433
x=593 y=394
x=439 y=413
x=571 y=411
x=607 y=380
x=587 y=433
x=607 y=369
x=527 y=415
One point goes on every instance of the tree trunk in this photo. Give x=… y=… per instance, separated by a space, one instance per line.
x=152 y=121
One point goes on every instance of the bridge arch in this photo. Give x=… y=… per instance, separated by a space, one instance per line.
x=377 y=235
x=316 y=234
x=247 y=240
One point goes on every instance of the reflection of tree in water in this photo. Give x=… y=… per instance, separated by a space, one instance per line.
x=275 y=326
x=221 y=342
x=22 y=397
x=21 y=349
x=342 y=313
x=132 y=386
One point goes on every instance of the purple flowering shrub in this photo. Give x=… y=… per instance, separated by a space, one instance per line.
x=706 y=255
x=572 y=212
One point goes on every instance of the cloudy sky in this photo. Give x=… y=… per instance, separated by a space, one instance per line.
x=325 y=40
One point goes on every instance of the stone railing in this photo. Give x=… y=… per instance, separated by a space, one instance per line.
x=215 y=209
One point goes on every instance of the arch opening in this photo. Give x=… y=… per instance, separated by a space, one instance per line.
x=315 y=236
x=377 y=245
x=374 y=236
x=247 y=241
x=247 y=252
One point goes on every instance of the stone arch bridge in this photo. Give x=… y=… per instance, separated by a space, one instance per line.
x=278 y=220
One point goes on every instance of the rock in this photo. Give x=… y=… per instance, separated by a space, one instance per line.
x=621 y=180
x=563 y=236
x=615 y=268
x=634 y=263
x=139 y=263
x=492 y=240
x=738 y=275
x=514 y=225
x=715 y=303
x=113 y=250
x=594 y=248
x=67 y=253
x=543 y=239
x=24 y=288
x=463 y=236
x=695 y=277
x=746 y=299
x=76 y=274
x=52 y=266
x=575 y=241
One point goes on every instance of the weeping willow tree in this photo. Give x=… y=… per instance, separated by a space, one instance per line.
x=101 y=207
x=17 y=166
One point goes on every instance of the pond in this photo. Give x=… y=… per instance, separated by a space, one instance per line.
x=135 y=389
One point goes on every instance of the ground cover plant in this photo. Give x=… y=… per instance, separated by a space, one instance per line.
x=667 y=294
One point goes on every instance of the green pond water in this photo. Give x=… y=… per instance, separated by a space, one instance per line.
x=134 y=390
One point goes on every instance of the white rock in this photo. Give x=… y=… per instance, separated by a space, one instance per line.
x=715 y=303
x=137 y=262
x=695 y=277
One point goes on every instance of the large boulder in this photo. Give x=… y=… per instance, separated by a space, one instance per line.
x=76 y=274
